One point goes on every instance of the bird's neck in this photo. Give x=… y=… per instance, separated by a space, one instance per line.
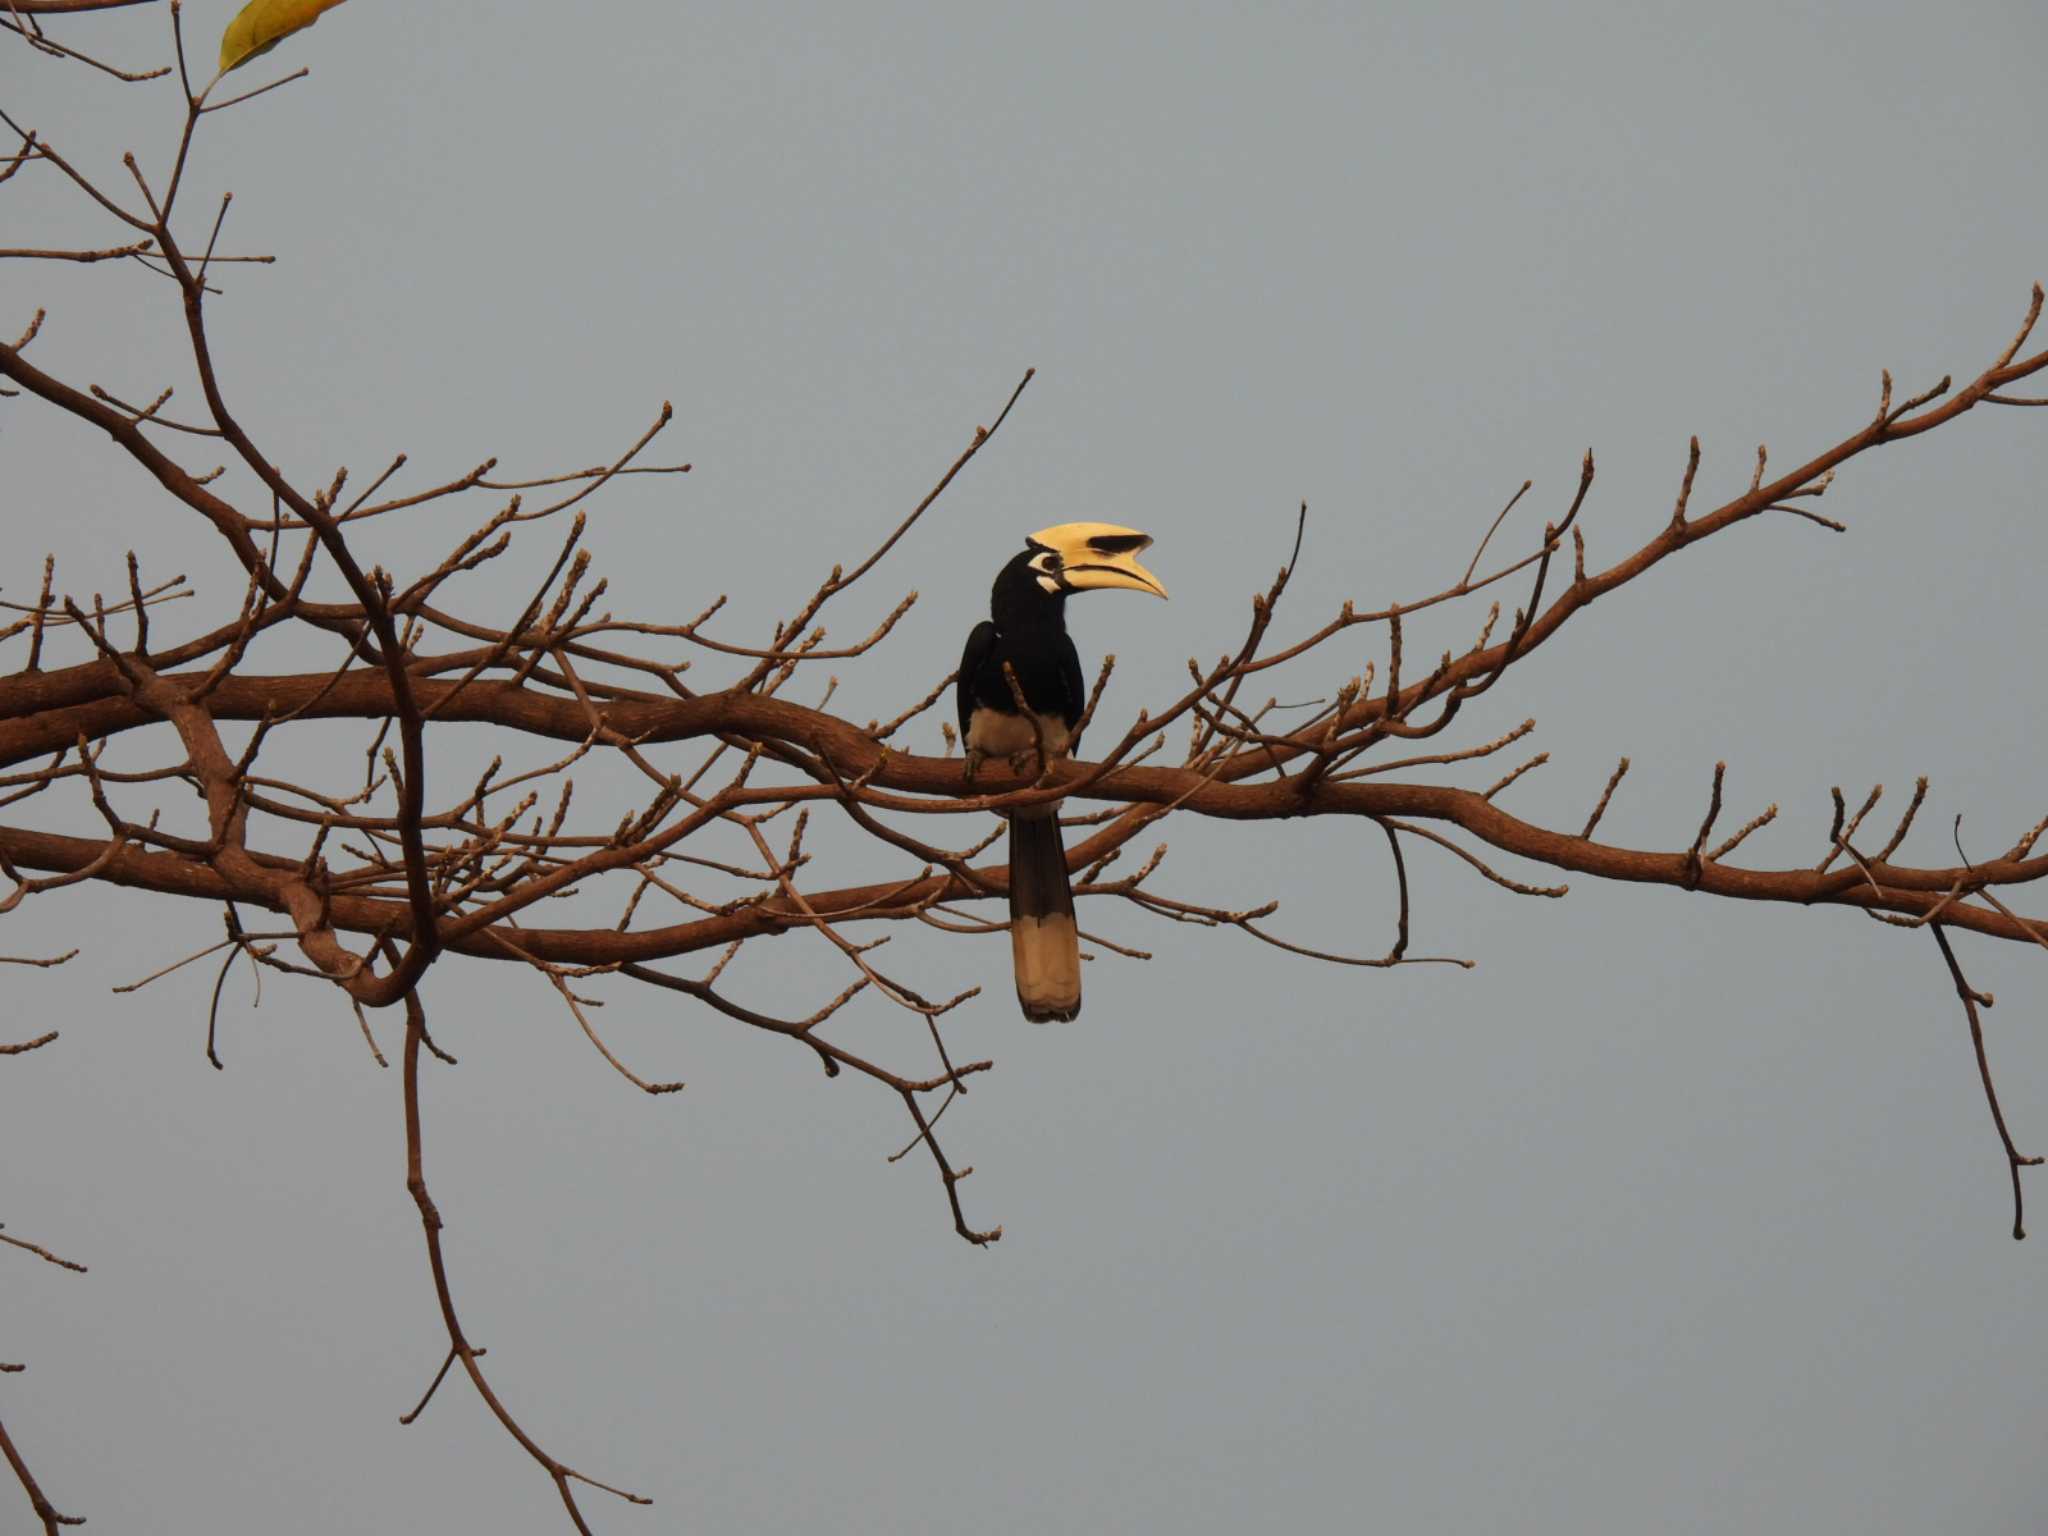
x=1038 y=613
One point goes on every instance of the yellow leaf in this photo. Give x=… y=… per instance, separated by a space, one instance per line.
x=262 y=24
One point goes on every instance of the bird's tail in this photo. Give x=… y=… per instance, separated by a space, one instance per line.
x=1044 y=943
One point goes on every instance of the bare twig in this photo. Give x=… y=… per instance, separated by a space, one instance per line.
x=1971 y=998
x=1606 y=795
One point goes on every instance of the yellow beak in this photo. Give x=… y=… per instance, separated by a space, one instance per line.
x=1100 y=556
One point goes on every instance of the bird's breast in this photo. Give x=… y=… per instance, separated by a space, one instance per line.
x=1005 y=733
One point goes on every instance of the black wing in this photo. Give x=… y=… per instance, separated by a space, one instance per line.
x=1071 y=681
x=981 y=644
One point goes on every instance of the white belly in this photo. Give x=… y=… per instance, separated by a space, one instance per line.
x=995 y=734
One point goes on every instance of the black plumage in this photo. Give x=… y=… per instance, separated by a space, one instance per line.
x=1028 y=629
x=1028 y=633
x=1025 y=638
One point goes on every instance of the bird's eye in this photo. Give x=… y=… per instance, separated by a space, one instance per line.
x=1047 y=563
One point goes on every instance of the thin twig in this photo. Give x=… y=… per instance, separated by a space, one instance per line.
x=1970 y=999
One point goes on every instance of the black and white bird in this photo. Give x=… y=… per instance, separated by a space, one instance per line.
x=1027 y=630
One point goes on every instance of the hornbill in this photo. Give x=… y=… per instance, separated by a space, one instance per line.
x=1027 y=631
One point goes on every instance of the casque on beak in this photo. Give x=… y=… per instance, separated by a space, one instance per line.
x=1095 y=556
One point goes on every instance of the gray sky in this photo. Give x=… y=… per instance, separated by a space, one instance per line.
x=1672 y=1215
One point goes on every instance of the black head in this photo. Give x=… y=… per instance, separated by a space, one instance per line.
x=1068 y=558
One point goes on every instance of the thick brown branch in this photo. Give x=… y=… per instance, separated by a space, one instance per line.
x=1911 y=891
x=66 y=7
